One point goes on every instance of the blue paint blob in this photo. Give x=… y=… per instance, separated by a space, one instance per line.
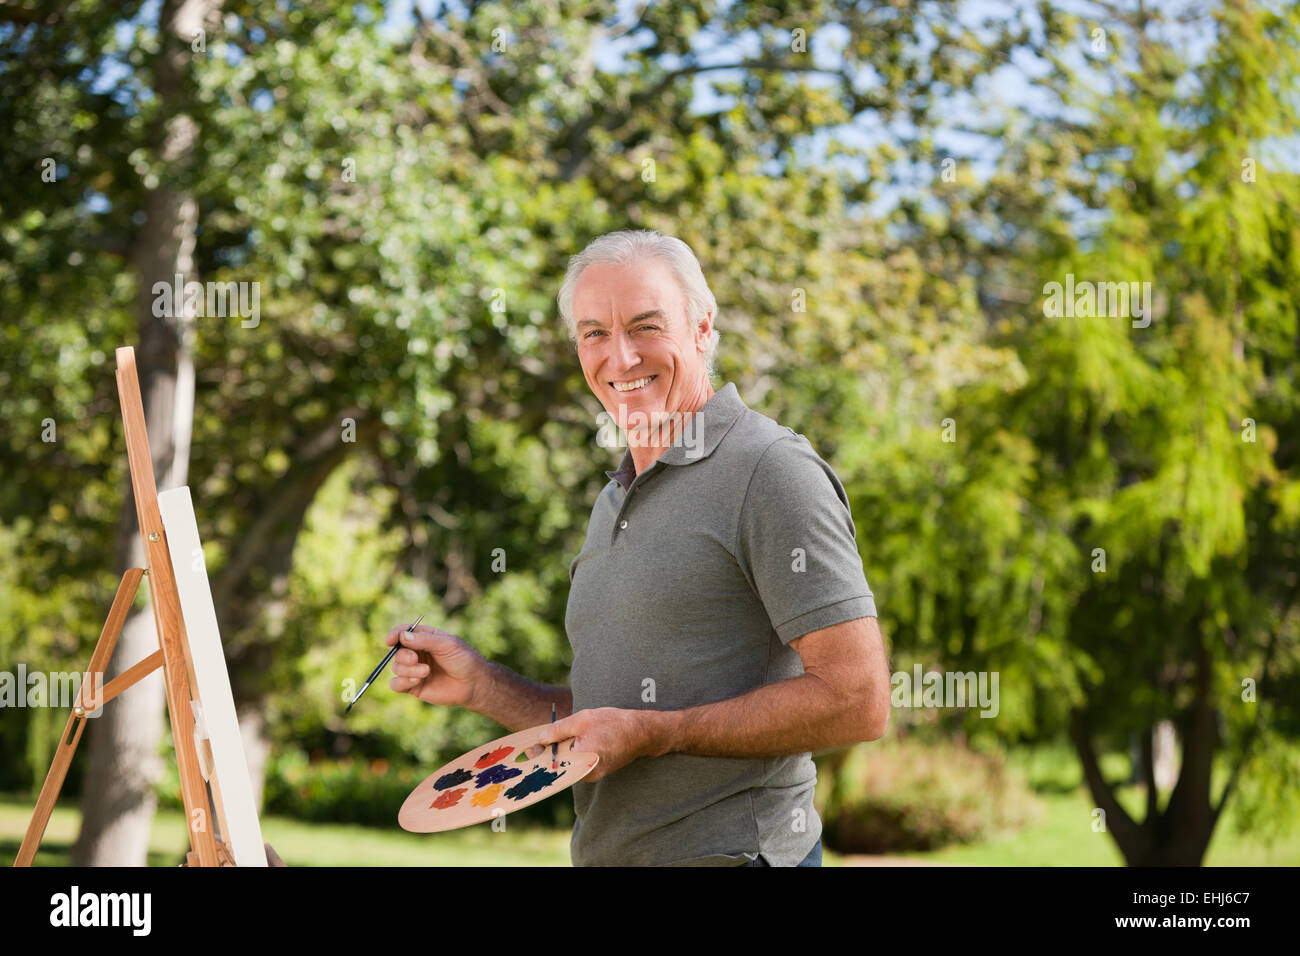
x=449 y=780
x=497 y=773
x=532 y=783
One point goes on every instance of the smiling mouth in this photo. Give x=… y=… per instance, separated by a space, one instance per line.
x=638 y=385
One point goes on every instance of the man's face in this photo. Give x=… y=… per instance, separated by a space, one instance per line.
x=632 y=325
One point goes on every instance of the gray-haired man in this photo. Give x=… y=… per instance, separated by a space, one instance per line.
x=721 y=624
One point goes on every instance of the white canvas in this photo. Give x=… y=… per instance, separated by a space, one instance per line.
x=231 y=785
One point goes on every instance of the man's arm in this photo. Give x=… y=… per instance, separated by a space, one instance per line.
x=439 y=668
x=842 y=698
x=515 y=702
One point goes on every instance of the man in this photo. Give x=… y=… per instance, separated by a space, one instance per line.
x=721 y=625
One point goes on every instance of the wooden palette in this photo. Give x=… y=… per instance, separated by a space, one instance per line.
x=490 y=781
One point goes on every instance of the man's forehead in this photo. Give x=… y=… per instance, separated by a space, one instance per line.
x=637 y=287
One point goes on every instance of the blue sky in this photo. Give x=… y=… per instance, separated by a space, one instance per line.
x=1008 y=90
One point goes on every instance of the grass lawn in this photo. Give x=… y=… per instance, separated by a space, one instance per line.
x=307 y=844
x=1061 y=836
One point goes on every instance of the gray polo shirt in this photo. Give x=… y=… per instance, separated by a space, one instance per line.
x=694 y=577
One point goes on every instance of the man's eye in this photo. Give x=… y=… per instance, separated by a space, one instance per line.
x=591 y=333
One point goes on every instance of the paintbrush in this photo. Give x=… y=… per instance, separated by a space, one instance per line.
x=553 y=743
x=382 y=664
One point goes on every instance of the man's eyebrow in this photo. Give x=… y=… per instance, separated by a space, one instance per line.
x=647 y=314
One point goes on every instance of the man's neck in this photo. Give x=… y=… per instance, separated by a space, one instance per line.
x=645 y=455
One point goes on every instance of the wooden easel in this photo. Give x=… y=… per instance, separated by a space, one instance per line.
x=173 y=654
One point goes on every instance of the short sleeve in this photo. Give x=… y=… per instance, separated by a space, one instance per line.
x=795 y=542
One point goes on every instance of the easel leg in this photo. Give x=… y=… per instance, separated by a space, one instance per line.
x=173 y=656
x=178 y=666
x=68 y=745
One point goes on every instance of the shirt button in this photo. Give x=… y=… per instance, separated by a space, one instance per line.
x=623 y=523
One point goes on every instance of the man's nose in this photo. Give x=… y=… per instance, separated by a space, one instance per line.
x=625 y=352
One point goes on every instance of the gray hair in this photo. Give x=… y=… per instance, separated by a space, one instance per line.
x=634 y=245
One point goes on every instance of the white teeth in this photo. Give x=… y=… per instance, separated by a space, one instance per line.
x=628 y=386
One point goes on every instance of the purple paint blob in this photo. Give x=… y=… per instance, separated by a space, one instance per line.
x=532 y=783
x=498 y=773
x=448 y=780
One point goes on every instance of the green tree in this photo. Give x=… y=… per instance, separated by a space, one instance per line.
x=1121 y=528
x=407 y=206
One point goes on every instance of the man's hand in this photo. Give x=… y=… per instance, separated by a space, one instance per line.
x=436 y=667
x=615 y=735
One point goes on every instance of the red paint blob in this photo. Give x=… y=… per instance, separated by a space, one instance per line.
x=488 y=759
x=448 y=799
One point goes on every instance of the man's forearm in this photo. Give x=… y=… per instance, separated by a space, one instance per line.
x=515 y=702
x=799 y=715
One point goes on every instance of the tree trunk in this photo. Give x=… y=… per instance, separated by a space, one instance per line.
x=257 y=748
x=118 y=802
x=1184 y=829
x=253 y=616
x=1180 y=835
x=1164 y=756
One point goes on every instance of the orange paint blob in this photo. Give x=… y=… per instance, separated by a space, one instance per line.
x=448 y=799
x=486 y=797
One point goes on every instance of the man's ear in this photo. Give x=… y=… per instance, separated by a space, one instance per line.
x=702 y=334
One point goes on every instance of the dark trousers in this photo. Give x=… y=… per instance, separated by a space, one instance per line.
x=814 y=858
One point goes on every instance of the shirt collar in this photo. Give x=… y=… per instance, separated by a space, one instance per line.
x=697 y=440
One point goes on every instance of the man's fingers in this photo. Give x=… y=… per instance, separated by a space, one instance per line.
x=414 y=674
x=537 y=750
x=412 y=667
x=553 y=733
x=405 y=637
x=424 y=638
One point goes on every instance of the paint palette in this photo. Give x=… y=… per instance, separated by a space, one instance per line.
x=491 y=780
